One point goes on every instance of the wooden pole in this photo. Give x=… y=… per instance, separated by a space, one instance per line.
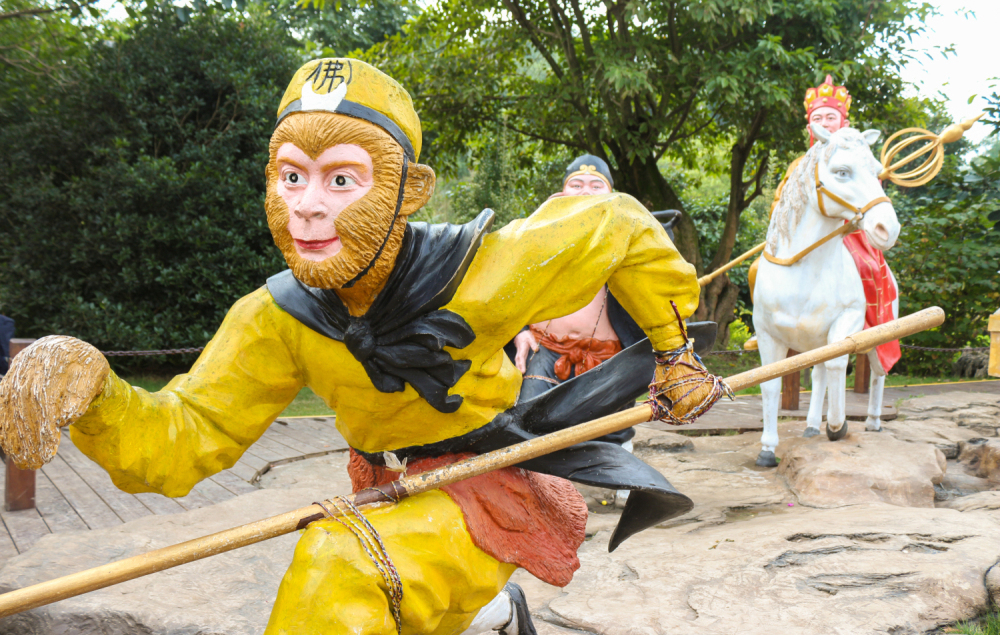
x=862 y=374
x=790 y=387
x=160 y=559
x=19 y=485
x=704 y=280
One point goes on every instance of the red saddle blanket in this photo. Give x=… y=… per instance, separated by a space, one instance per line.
x=879 y=291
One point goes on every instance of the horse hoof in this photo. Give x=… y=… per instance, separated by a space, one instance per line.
x=811 y=432
x=836 y=435
x=873 y=425
x=766 y=459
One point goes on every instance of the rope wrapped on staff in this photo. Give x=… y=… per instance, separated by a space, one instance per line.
x=682 y=388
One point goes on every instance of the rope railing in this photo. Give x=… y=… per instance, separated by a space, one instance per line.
x=166 y=351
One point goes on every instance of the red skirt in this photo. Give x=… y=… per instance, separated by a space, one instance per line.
x=519 y=517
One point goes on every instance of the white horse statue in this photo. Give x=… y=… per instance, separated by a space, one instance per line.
x=808 y=291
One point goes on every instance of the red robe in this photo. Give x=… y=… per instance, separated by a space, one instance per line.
x=879 y=291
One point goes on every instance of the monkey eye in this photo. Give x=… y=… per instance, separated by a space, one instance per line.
x=294 y=178
x=342 y=180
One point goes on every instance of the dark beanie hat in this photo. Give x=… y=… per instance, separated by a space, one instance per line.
x=589 y=164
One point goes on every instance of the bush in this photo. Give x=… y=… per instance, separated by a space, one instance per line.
x=131 y=199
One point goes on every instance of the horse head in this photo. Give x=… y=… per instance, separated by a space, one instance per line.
x=847 y=183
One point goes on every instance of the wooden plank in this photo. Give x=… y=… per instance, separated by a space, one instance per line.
x=279 y=450
x=862 y=374
x=263 y=454
x=213 y=491
x=91 y=507
x=321 y=432
x=25 y=527
x=242 y=470
x=159 y=504
x=7 y=548
x=790 y=388
x=304 y=436
x=57 y=513
x=125 y=505
x=300 y=447
x=19 y=485
x=194 y=500
x=233 y=483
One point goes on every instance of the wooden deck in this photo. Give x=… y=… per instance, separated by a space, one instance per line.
x=73 y=493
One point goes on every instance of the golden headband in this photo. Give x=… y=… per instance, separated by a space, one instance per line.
x=589 y=170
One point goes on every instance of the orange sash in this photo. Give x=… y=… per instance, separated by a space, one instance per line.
x=533 y=520
x=576 y=355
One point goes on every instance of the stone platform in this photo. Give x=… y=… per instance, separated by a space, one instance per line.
x=893 y=532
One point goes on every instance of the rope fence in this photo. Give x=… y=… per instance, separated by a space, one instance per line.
x=931 y=349
x=166 y=351
x=186 y=351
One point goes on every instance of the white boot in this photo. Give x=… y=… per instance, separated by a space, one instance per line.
x=622 y=495
x=506 y=614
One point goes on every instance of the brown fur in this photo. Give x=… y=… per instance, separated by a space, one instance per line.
x=362 y=226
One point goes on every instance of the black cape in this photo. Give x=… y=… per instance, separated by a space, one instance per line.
x=400 y=339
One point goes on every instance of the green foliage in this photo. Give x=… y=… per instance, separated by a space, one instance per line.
x=346 y=28
x=987 y=625
x=131 y=202
x=513 y=184
x=948 y=255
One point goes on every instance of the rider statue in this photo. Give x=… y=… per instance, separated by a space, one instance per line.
x=829 y=105
x=400 y=328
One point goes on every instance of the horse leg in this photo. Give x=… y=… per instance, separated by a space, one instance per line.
x=770 y=392
x=814 y=418
x=836 y=417
x=874 y=421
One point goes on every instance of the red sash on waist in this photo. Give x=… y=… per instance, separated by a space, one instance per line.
x=533 y=520
x=879 y=291
x=576 y=355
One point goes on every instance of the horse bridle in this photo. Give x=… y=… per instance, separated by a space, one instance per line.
x=848 y=227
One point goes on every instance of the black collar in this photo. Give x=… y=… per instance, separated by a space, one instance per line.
x=401 y=338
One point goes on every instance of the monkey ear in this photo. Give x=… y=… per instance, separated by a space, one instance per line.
x=419 y=187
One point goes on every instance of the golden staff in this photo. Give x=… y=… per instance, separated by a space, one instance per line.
x=223 y=541
x=934 y=149
x=917 y=176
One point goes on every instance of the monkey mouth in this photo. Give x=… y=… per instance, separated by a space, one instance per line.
x=315 y=245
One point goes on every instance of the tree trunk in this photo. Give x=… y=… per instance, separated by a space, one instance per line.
x=719 y=297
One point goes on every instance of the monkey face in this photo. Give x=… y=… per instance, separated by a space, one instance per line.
x=330 y=229
x=317 y=191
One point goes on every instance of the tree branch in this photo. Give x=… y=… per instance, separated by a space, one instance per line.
x=519 y=17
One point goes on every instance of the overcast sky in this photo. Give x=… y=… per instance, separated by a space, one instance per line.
x=974 y=69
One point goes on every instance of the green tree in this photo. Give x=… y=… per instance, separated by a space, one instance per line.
x=131 y=202
x=345 y=27
x=948 y=254
x=633 y=82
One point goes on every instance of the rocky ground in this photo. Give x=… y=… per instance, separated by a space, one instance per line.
x=894 y=533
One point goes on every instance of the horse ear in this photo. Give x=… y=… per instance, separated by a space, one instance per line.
x=871 y=136
x=820 y=132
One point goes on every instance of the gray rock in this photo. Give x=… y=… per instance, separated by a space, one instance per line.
x=863 y=467
x=944 y=434
x=988 y=501
x=649 y=441
x=863 y=569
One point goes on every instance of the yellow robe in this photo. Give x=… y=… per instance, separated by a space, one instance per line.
x=548 y=265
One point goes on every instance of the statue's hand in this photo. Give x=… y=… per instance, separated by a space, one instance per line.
x=49 y=385
x=523 y=342
x=682 y=388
